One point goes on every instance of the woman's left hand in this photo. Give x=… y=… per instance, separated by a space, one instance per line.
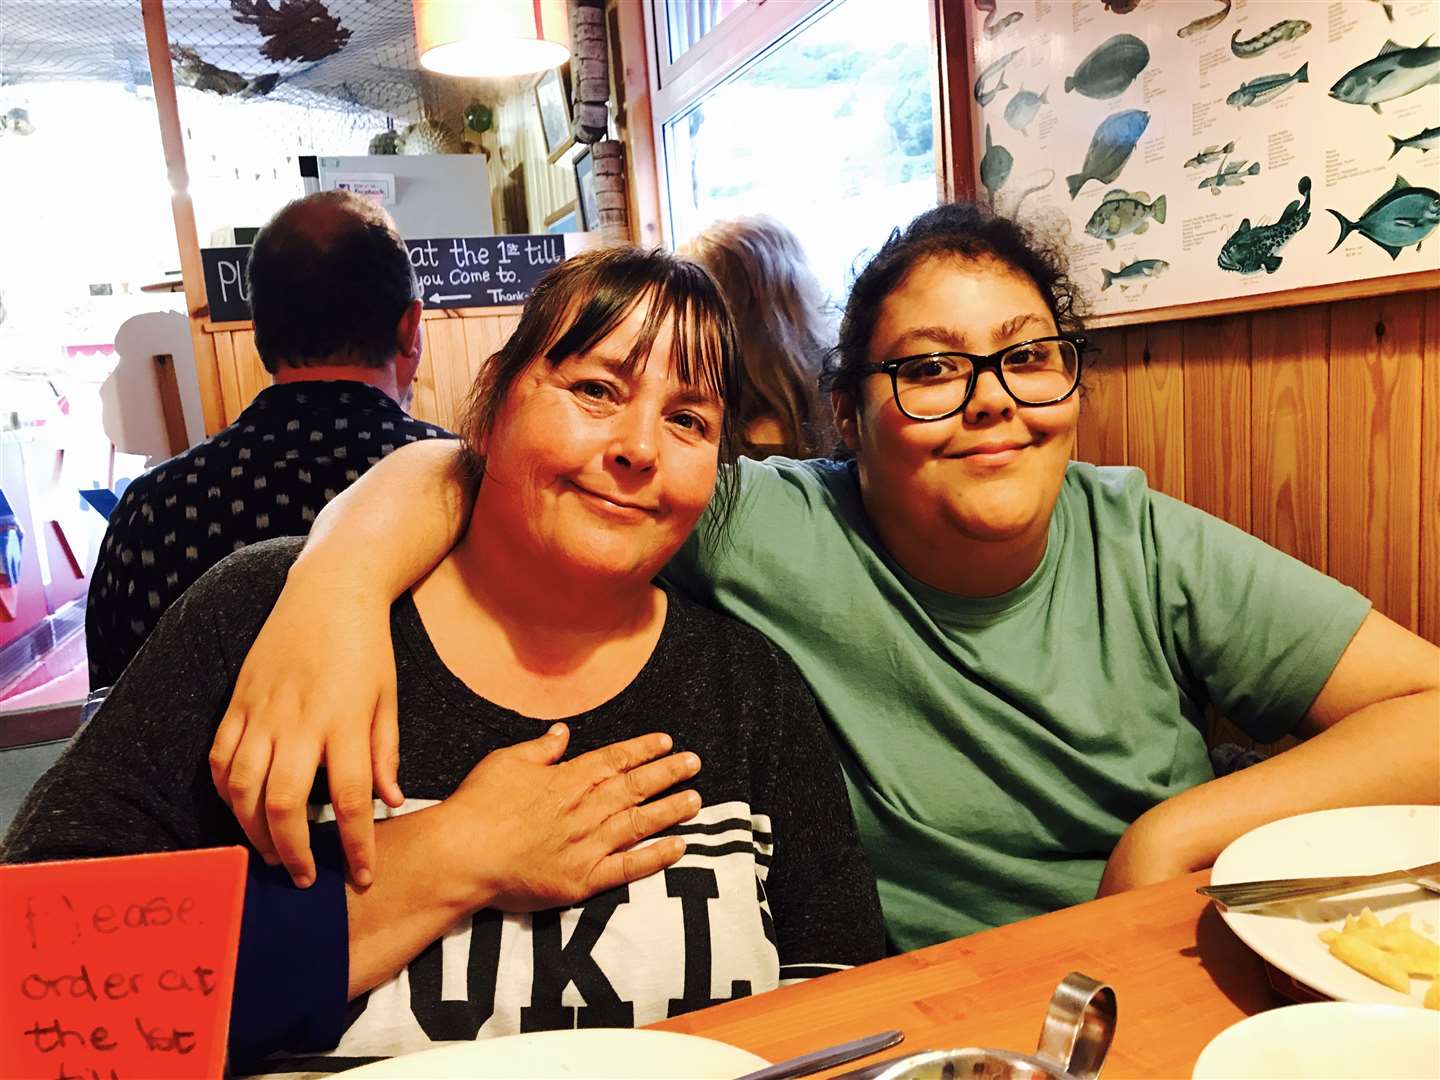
x=1147 y=853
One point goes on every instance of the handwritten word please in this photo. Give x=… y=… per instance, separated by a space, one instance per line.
x=119 y=968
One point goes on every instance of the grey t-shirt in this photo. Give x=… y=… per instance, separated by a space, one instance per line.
x=774 y=886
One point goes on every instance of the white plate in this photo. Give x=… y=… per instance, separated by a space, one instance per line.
x=1356 y=840
x=1328 y=1040
x=588 y=1053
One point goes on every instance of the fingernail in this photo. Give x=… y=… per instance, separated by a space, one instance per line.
x=692 y=800
x=304 y=881
x=666 y=742
x=692 y=762
x=363 y=877
x=270 y=860
x=556 y=729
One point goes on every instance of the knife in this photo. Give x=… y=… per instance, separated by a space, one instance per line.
x=831 y=1056
x=878 y=1068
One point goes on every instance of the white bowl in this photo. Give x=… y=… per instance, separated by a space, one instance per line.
x=577 y=1054
x=1328 y=1040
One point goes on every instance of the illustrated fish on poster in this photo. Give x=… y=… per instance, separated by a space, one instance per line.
x=1110 y=148
x=1393 y=73
x=1210 y=154
x=1288 y=30
x=1230 y=174
x=1120 y=7
x=1136 y=272
x=1252 y=248
x=1029 y=185
x=1023 y=108
x=1386 y=7
x=1206 y=22
x=1122 y=213
x=1425 y=141
x=991 y=25
x=1110 y=68
x=992 y=79
x=1404 y=215
x=1266 y=88
x=994 y=29
x=995 y=166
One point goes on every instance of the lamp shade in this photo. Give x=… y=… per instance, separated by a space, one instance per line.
x=491 y=38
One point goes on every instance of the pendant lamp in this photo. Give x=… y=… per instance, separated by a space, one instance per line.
x=491 y=38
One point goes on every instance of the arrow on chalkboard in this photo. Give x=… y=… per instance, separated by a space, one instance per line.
x=438 y=298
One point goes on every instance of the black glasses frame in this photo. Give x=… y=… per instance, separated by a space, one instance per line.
x=979 y=365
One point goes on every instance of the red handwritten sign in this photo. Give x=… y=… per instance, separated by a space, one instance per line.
x=119 y=969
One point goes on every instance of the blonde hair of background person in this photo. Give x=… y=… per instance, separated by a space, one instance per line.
x=779 y=308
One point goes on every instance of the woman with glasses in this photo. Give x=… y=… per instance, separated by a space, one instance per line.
x=1013 y=650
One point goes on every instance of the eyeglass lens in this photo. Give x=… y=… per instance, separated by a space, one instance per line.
x=1035 y=373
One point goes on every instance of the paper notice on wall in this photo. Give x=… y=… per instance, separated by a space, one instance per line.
x=377 y=187
x=1193 y=150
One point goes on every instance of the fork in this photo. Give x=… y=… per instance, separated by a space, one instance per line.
x=1248 y=894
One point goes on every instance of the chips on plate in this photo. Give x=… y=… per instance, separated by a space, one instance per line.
x=1390 y=953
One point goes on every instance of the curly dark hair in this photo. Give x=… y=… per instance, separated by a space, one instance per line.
x=962 y=231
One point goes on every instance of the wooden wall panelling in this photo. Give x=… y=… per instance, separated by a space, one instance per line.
x=248 y=368
x=1217 y=417
x=482 y=339
x=485 y=337
x=1429 y=558
x=1101 y=438
x=1289 y=401
x=423 y=405
x=1155 y=405
x=445 y=341
x=1375 y=450
x=230 y=400
x=547 y=187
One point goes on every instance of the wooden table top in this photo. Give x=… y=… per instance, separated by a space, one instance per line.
x=1180 y=977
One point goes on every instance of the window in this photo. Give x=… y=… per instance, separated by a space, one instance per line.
x=827 y=126
x=687 y=21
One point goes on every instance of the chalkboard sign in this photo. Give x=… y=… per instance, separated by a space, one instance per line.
x=225 y=284
x=454 y=272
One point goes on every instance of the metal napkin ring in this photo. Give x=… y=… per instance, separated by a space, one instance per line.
x=1078 y=1026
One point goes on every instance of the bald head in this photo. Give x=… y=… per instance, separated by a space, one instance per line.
x=325 y=215
x=330 y=280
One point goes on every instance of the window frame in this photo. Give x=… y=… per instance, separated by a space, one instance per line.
x=740 y=40
x=746 y=36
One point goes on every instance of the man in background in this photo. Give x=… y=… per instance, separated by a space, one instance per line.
x=337 y=323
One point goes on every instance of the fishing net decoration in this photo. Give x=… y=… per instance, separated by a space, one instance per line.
x=354 y=56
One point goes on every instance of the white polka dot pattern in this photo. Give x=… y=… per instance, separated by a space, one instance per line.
x=252 y=493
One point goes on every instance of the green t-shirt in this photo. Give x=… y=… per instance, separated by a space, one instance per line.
x=995 y=749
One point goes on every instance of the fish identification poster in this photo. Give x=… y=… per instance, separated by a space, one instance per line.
x=1194 y=150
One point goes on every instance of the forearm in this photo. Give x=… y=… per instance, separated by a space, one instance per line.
x=1388 y=752
x=412 y=903
x=416 y=494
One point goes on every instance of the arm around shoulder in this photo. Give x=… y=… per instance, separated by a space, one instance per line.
x=293 y=704
x=389 y=528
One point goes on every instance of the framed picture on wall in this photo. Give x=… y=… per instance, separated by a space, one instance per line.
x=550 y=100
x=566 y=219
x=585 y=185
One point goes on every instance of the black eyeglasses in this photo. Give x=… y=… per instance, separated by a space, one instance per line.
x=935 y=386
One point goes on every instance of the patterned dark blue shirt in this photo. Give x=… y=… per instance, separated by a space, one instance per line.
x=268 y=474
